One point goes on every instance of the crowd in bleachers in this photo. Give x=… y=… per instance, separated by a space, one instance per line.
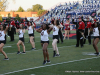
x=85 y=8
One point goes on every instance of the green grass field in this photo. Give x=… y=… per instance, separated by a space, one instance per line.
x=73 y=61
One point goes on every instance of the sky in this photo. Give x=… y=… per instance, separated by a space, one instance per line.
x=25 y=4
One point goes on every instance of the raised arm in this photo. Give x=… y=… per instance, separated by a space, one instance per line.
x=39 y=30
x=51 y=26
x=6 y=29
x=60 y=26
x=73 y=21
x=23 y=30
x=49 y=30
x=17 y=30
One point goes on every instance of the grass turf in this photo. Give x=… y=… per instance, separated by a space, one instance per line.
x=34 y=58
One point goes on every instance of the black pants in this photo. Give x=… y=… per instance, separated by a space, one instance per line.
x=86 y=34
x=5 y=38
x=12 y=34
x=12 y=37
x=79 y=38
x=60 y=36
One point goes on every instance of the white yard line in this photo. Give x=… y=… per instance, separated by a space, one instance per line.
x=40 y=49
x=50 y=65
x=25 y=43
x=7 y=46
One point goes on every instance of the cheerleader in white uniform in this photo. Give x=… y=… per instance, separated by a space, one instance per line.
x=21 y=32
x=96 y=38
x=31 y=34
x=55 y=27
x=2 y=40
x=45 y=30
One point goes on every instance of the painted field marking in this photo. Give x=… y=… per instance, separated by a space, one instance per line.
x=6 y=46
x=40 y=49
x=50 y=65
x=89 y=53
x=32 y=74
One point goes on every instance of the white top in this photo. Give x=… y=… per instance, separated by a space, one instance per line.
x=55 y=30
x=44 y=35
x=96 y=31
x=21 y=34
x=2 y=36
x=30 y=30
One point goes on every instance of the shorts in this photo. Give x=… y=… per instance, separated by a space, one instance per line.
x=21 y=39
x=3 y=42
x=45 y=42
x=67 y=28
x=31 y=35
x=56 y=37
x=96 y=37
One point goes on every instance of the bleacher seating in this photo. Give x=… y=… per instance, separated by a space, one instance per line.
x=86 y=7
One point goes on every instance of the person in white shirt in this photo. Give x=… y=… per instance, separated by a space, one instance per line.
x=2 y=40
x=21 y=32
x=55 y=27
x=96 y=34
x=31 y=35
x=44 y=32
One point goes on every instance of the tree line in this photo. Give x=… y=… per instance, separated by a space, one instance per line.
x=35 y=8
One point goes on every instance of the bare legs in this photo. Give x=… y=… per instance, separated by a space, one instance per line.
x=66 y=32
x=20 y=43
x=1 y=50
x=95 y=42
x=32 y=41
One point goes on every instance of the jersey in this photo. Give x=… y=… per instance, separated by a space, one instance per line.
x=2 y=36
x=96 y=31
x=55 y=30
x=21 y=34
x=30 y=30
x=81 y=25
x=88 y=25
x=44 y=35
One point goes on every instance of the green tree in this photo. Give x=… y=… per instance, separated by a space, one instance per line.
x=37 y=7
x=20 y=9
x=9 y=17
x=29 y=10
x=4 y=4
x=0 y=18
x=41 y=11
x=18 y=18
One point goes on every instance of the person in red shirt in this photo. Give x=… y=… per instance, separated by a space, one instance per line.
x=67 y=28
x=12 y=30
x=87 y=31
x=80 y=32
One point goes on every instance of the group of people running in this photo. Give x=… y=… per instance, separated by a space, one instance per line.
x=45 y=29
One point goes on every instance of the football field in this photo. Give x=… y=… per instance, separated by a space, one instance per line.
x=72 y=60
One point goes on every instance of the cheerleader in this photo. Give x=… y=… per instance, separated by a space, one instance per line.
x=2 y=40
x=55 y=27
x=45 y=30
x=31 y=35
x=96 y=38
x=21 y=32
x=67 y=28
